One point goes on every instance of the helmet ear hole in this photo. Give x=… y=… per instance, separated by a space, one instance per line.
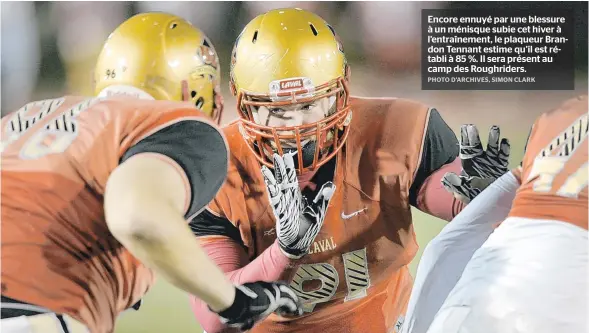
x=313 y=30
x=193 y=94
x=200 y=102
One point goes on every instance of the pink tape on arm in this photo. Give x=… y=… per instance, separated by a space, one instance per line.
x=271 y=265
x=433 y=197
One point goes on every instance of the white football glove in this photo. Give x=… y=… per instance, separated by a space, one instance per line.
x=297 y=222
x=479 y=167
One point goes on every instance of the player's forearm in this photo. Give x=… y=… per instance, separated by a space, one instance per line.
x=271 y=265
x=163 y=242
x=434 y=199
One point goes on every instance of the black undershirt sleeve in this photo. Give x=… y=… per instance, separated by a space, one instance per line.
x=199 y=149
x=440 y=147
x=207 y=224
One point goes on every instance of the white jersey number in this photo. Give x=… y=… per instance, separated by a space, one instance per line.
x=356 y=274
x=55 y=137
x=553 y=158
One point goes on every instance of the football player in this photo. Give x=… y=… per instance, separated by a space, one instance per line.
x=96 y=191
x=528 y=274
x=321 y=184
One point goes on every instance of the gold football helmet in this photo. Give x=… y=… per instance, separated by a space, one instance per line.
x=291 y=56
x=164 y=56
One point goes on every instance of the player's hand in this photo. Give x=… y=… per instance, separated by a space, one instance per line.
x=256 y=301
x=297 y=222
x=479 y=167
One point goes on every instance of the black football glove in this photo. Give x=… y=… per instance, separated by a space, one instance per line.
x=479 y=167
x=257 y=300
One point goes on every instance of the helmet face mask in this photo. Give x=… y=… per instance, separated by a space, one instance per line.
x=314 y=142
x=202 y=87
x=164 y=56
x=284 y=58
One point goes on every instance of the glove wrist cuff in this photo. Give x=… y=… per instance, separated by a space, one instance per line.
x=290 y=255
x=236 y=309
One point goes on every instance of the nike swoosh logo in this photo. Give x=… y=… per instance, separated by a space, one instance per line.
x=349 y=216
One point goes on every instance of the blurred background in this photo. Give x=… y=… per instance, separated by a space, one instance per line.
x=48 y=49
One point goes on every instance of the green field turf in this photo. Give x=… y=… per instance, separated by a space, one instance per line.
x=167 y=309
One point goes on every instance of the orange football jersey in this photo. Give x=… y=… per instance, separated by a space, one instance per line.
x=57 y=251
x=355 y=278
x=554 y=169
